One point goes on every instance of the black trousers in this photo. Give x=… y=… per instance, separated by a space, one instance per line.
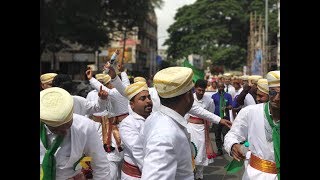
x=218 y=130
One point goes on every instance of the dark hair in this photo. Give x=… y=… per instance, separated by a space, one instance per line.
x=201 y=83
x=170 y=101
x=63 y=81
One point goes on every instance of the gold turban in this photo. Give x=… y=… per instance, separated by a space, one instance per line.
x=254 y=78
x=104 y=78
x=263 y=86
x=273 y=78
x=173 y=81
x=45 y=78
x=227 y=75
x=139 y=79
x=56 y=106
x=135 y=88
x=244 y=77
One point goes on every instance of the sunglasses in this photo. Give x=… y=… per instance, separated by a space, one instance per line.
x=273 y=93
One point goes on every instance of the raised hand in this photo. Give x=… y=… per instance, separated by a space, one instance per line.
x=103 y=94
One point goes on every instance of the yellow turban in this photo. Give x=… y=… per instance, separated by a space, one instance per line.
x=56 y=106
x=135 y=88
x=139 y=79
x=244 y=77
x=273 y=78
x=104 y=78
x=45 y=78
x=263 y=85
x=254 y=78
x=227 y=75
x=173 y=81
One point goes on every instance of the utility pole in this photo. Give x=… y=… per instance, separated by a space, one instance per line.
x=266 y=55
x=278 y=53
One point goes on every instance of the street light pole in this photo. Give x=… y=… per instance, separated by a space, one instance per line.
x=266 y=55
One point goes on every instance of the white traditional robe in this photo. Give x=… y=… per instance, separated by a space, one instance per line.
x=197 y=131
x=252 y=125
x=231 y=90
x=166 y=147
x=130 y=129
x=81 y=138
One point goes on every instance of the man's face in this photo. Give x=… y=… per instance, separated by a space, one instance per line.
x=274 y=95
x=189 y=100
x=199 y=92
x=142 y=104
x=61 y=130
x=227 y=81
x=46 y=85
x=262 y=97
x=220 y=87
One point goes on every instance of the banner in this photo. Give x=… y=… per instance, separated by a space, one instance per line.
x=197 y=73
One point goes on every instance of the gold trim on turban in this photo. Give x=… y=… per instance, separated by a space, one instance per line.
x=104 y=78
x=263 y=86
x=273 y=78
x=139 y=79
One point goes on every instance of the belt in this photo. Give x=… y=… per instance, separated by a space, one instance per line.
x=263 y=165
x=195 y=120
x=131 y=170
x=118 y=119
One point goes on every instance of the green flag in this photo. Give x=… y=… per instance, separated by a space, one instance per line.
x=197 y=73
x=234 y=166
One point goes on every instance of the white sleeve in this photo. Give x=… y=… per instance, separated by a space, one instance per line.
x=129 y=134
x=116 y=82
x=94 y=148
x=160 y=159
x=125 y=79
x=204 y=114
x=90 y=107
x=238 y=131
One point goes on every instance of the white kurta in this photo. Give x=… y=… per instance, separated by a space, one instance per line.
x=81 y=138
x=231 y=90
x=130 y=128
x=251 y=124
x=166 y=148
x=204 y=114
x=84 y=107
x=197 y=131
x=155 y=99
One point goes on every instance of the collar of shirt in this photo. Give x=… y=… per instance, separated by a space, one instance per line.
x=174 y=115
x=137 y=116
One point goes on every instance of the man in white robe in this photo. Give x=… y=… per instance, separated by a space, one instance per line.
x=166 y=142
x=199 y=129
x=65 y=137
x=46 y=80
x=132 y=125
x=260 y=125
x=118 y=110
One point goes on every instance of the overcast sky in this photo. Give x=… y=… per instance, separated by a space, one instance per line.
x=165 y=17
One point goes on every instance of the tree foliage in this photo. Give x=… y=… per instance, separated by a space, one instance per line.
x=216 y=29
x=88 y=23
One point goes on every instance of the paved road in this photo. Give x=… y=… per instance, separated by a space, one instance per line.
x=216 y=171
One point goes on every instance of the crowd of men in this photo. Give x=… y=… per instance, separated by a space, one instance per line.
x=127 y=130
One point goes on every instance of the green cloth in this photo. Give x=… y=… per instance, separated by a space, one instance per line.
x=197 y=73
x=49 y=161
x=221 y=105
x=234 y=166
x=275 y=137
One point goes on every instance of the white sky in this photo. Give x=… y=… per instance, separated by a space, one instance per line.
x=165 y=17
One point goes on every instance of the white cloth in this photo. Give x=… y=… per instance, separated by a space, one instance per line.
x=84 y=107
x=93 y=96
x=166 y=148
x=124 y=78
x=155 y=99
x=119 y=103
x=248 y=100
x=197 y=131
x=251 y=124
x=231 y=90
x=130 y=128
x=210 y=93
x=81 y=138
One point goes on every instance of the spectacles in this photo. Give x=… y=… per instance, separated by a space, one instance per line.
x=273 y=93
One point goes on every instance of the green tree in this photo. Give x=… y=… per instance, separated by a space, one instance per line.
x=217 y=30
